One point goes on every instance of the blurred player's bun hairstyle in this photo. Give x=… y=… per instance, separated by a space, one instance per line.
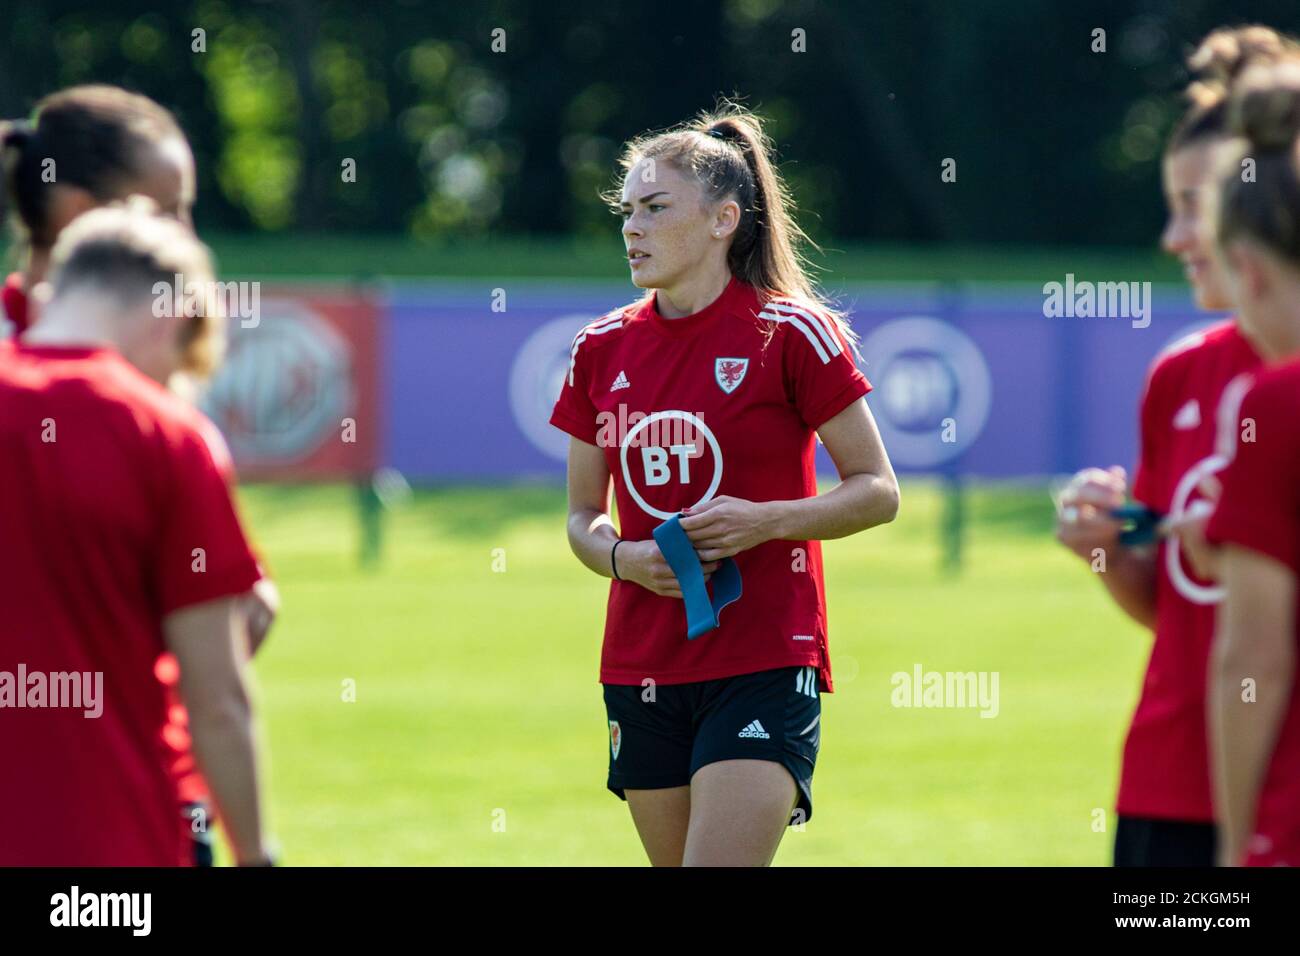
x=123 y=250
x=731 y=155
x=1265 y=115
x=1215 y=65
x=94 y=136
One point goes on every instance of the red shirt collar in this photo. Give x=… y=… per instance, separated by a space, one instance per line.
x=733 y=294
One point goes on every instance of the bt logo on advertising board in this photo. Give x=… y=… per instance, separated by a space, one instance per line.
x=927 y=373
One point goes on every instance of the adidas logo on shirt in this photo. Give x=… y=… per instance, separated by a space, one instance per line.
x=620 y=382
x=1189 y=416
x=755 y=729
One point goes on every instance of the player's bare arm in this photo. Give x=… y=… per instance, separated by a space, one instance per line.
x=1255 y=643
x=866 y=496
x=591 y=529
x=210 y=641
x=262 y=605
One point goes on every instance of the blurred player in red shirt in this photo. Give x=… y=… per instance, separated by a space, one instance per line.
x=122 y=539
x=101 y=144
x=1254 y=691
x=1165 y=807
x=105 y=144
x=707 y=397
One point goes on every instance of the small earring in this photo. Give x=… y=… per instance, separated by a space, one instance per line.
x=717 y=235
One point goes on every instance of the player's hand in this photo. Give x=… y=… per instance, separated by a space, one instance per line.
x=1190 y=530
x=1083 y=521
x=641 y=562
x=263 y=604
x=723 y=527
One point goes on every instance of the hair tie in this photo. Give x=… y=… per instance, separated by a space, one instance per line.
x=717 y=134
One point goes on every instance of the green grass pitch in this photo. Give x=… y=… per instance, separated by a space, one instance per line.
x=478 y=737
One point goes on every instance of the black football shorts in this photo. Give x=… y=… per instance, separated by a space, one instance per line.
x=1141 y=841
x=660 y=736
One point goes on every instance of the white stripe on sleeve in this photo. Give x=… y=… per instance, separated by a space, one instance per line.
x=808 y=333
x=599 y=327
x=819 y=322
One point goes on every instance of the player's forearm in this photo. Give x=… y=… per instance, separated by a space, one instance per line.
x=1130 y=578
x=263 y=604
x=224 y=745
x=855 y=504
x=592 y=536
x=1243 y=727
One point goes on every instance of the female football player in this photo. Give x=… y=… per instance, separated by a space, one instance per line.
x=1254 y=697
x=706 y=398
x=1164 y=806
x=85 y=147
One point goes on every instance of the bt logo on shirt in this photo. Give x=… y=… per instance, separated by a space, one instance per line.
x=1189 y=498
x=666 y=444
x=1189 y=494
x=655 y=460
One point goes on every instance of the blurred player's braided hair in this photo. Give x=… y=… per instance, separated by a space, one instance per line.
x=1264 y=115
x=731 y=155
x=124 y=250
x=1216 y=63
x=93 y=135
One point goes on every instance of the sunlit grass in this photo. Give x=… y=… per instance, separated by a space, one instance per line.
x=478 y=737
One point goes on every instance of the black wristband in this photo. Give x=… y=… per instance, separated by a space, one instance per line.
x=613 y=559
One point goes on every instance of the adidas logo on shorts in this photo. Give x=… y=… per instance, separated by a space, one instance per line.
x=755 y=729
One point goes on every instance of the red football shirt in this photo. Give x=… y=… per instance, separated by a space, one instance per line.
x=14 y=300
x=1259 y=509
x=1166 y=768
x=190 y=784
x=109 y=486
x=722 y=402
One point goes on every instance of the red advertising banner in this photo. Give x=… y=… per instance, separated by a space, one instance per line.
x=298 y=395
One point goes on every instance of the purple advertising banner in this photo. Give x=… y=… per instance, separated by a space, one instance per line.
x=977 y=380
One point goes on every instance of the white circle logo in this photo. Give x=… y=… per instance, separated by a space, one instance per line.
x=282 y=390
x=927 y=371
x=1187 y=486
x=536 y=378
x=697 y=425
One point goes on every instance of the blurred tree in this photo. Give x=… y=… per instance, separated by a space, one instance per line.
x=508 y=116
